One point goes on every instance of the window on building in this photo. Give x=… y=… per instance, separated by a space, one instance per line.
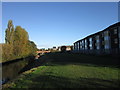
x=115 y=40
x=106 y=38
x=97 y=37
x=97 y=41
x=107 y=44
x=90 y=40
x=78 y=45
x=115 y=31
x=98 y=47
x=106 y=47
x=103 y=42
x=106 y=33
x=102 y=34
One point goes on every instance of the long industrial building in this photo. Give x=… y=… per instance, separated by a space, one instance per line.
x=106 y=41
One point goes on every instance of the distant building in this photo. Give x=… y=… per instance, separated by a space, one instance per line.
x=54 y=48
x=103 y=42
x=68 y=48
x=63 y=48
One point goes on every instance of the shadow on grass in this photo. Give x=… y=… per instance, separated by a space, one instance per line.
x=58 y=58
x=50 y=81
x=67 y=58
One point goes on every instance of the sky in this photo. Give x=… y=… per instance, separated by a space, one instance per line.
x=59 y=23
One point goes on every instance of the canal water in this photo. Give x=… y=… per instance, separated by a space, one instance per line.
x=11 y=70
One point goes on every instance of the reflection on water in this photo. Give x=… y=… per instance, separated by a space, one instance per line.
x=11 y=70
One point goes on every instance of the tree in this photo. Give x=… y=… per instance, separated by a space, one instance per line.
x=17 y=43
x=32 y=48
x=20 y=41
x=9 y=37
x=7 y=49
x=7 y=52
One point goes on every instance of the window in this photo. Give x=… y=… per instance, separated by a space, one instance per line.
x=98 y=47
x=97 y=37
x=97 y=41
x=78 y=45
x=106 y=38
x=115 y=31
x=102 y=34
x=90 y=40
x=85 y=47
x=115 y=41
x=81 y=47
x=106 y=46
x=103 y=43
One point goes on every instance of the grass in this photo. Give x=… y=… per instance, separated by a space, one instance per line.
x=66 y=70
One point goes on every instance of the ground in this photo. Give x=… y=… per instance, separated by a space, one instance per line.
x=69 y=70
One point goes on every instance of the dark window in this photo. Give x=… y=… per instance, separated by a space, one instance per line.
x=115 y=31
x=115 y=41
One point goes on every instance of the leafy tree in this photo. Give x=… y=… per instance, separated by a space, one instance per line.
x=20 y=41
x=17 y=43
x=9 y=37
x=7 y=52
x=7 y=49
x=32 y=47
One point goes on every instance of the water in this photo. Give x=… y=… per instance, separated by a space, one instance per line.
x=11 y=70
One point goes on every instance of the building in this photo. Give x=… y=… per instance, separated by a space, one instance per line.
x=68 y=48
x=54 y=48
x=106 y=41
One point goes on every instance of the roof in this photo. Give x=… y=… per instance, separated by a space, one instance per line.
x=111 y=26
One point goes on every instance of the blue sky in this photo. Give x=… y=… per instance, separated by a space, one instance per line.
x=59 y=23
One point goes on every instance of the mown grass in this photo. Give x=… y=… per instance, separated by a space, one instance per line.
x=68 y=70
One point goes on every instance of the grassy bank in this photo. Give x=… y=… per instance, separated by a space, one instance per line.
x=66 y=70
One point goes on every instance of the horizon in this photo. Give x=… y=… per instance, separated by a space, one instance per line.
x=52 y=24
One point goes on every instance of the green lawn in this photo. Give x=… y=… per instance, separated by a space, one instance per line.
x=66 y=70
